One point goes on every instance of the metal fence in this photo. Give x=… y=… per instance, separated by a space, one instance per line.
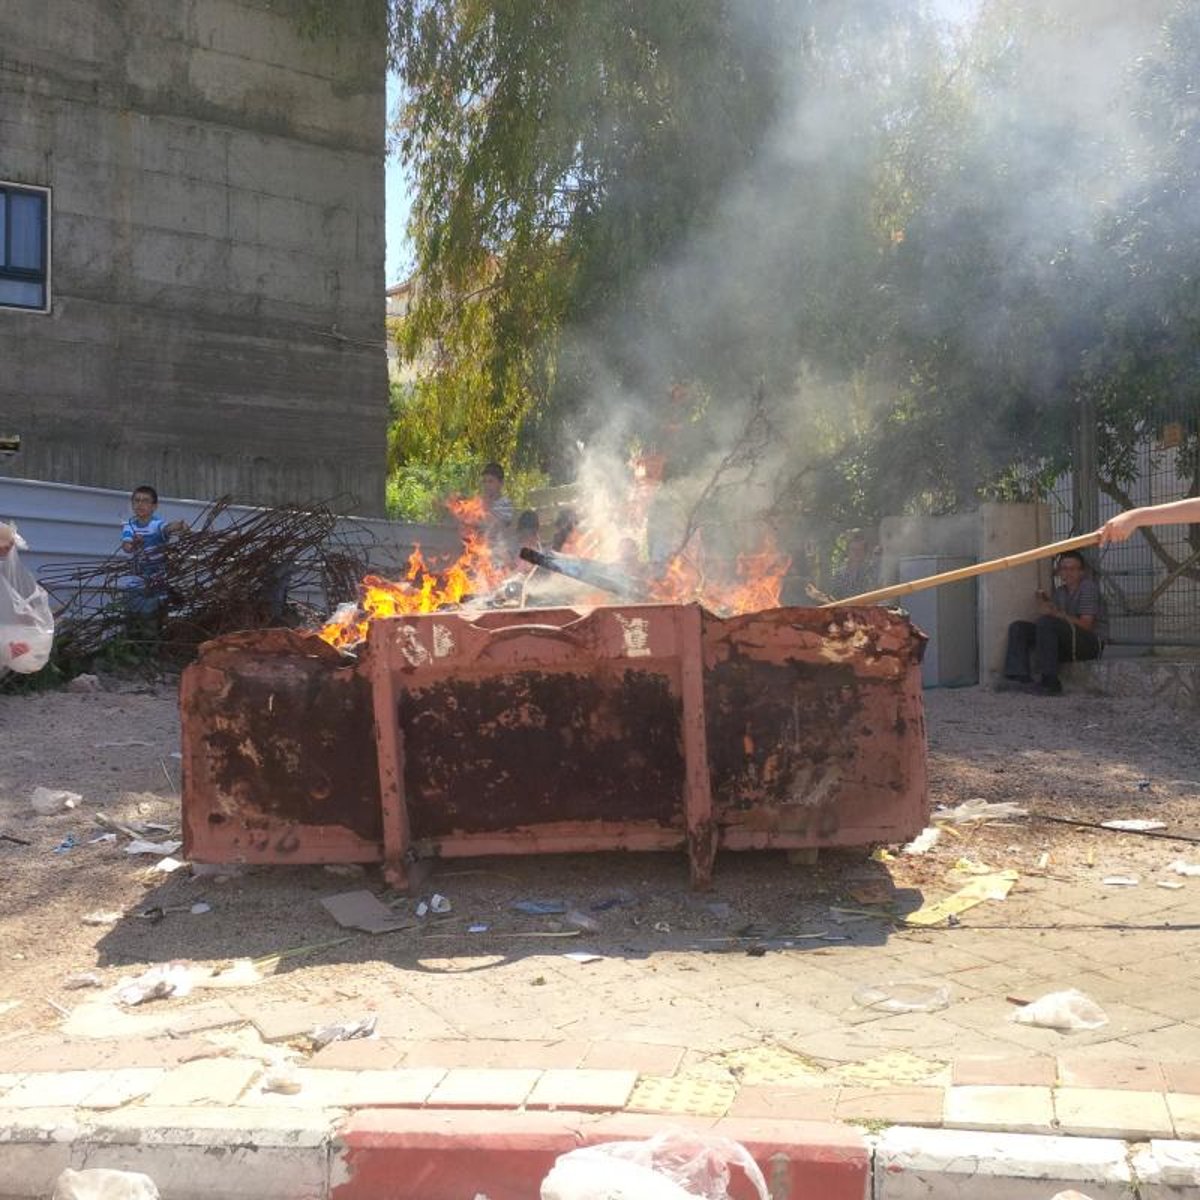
x=1151 y=582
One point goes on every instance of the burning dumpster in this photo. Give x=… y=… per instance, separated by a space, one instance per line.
x=640 y=727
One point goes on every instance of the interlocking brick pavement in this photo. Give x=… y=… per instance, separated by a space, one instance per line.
x=667 y=1024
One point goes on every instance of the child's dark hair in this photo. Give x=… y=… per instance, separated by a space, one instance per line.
x=1071 y=554
x=144 y=489
x=495 y=470
x=528 y=521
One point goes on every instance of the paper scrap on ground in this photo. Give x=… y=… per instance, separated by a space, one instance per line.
x=978 y=809
x=1185 y=868
x=45 y=801
x=539 y=908
x=1134 y=825
x=165 y=866
x=923 y=842
x=1120 y=881
x=138 y=846
x=362 y=910
x=582 y=956
x=983 y=887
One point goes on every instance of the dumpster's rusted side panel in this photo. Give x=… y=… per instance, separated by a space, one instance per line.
x=816 y=733
x=563 y=731
x=640 y=727
x=278 y=753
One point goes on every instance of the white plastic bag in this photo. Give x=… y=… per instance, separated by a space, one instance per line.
x=673 y=1165
x=1067 y=1011
x=26 y=622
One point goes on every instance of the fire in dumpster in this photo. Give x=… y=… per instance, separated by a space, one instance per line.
x=480 y=573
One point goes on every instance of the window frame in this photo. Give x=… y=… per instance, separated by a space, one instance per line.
x=7 y=188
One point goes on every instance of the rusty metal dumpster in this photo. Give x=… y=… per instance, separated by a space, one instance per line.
x=636 y=727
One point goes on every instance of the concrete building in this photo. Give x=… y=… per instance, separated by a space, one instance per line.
x=192 y=249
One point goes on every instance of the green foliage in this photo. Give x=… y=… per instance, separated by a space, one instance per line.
x=614 y=196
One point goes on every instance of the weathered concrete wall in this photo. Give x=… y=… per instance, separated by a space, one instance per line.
x=218 y=249
x=992 y=531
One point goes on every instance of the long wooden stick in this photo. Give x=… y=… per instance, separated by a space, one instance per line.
x=983 y=568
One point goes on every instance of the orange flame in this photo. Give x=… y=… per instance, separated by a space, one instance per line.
x=421 y=590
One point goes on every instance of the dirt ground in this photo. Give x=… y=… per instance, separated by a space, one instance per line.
x=1077 y=757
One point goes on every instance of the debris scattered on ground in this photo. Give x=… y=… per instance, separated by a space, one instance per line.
x=166 y=866
x=1068 y=1011
x=16 y=841
x=68 y=843
x=539 y=908
x=45 y=801
x=345 y=1031
x=363 y=910
x=436 y=904
x=84 y=684
x=477 y=928
x=1184 y=868
x=583 y=956
x=158 y=983
x=237 y=974
x=984 y=887
x=622 y=898
x=923 y=842
x=1134 y=825
x=138 y=846
x=978 y=809
x=281 y=1078
x=84 y=979
x=1120 y=881
x=346 y=870
x=101 y=918
x=1170 y=884
x=100 y=1183
x=200 y=907
x=578 y=920
x=896 y=997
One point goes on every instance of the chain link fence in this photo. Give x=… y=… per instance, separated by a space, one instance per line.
x=1151 y=582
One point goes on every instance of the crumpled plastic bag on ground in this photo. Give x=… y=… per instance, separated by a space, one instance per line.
x=978 y=809
x=102 y=1184
x=1069 y=1011
x=166 y=979
x=26 y=622
x=673 y=1165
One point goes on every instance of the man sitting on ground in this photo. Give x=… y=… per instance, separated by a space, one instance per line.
x=1071 y=628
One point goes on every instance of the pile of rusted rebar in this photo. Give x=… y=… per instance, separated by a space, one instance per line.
x=231 y=570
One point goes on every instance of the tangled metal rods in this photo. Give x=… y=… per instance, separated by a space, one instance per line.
x=233 y=569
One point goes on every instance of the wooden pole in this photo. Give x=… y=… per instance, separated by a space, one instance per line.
x=983 y=568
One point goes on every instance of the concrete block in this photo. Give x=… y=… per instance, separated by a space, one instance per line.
x=1112 y=1112
x=1005 y=1109
x=930 y=1164
x=1167 y=1170
x=1185 y=1114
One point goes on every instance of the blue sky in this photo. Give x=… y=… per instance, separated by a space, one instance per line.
x=396 y=200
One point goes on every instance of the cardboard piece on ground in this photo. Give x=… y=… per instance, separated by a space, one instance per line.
x=983 y=887
x=362 y=910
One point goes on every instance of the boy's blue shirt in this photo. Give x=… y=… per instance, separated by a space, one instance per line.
x=150 y=556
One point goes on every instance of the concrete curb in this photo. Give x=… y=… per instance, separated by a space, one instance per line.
x=423 y=1154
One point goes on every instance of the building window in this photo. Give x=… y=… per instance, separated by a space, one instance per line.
x=24 y=247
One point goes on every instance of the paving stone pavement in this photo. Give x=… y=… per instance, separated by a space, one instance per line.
x=670 y=1028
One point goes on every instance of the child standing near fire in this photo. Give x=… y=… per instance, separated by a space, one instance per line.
x=144 y=537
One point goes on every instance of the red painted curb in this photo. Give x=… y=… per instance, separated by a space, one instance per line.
x=432 y=1154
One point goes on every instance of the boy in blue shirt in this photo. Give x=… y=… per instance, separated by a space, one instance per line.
x=144 y=536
